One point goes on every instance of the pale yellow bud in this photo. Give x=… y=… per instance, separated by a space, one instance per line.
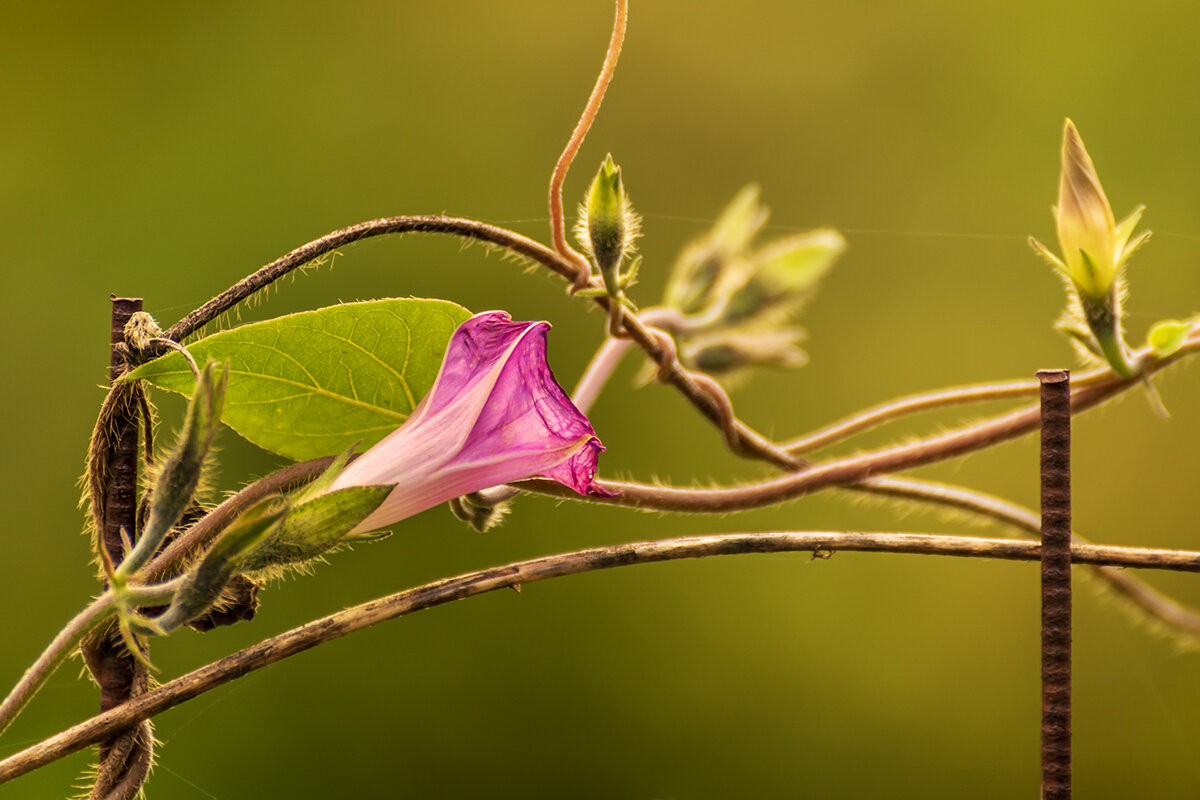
x=1084 y=219
x=1094 y=246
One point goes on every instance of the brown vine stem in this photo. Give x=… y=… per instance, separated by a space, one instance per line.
x=448 y=590
x=557 y=225
x=835 y=472
x=924 y=401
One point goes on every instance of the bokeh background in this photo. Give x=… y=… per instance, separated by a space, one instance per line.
x=165 y=150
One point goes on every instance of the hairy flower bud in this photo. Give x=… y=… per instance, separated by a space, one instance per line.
x=205 y=580
x=1094 y=250
x=1094 y=246
x=176 y=483
x=607 y=224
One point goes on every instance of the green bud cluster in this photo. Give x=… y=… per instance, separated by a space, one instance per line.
x=739 y=299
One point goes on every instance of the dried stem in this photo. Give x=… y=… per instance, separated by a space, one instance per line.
x=448 y=590
x=557 y=225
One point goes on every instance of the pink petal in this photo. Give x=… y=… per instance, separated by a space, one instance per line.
x=494 y=415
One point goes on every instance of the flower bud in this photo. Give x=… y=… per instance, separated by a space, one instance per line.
x=1094 y=246
x=315 y=526
x=1084 y=219
x=479 y=512
x=205 y=580
x=607 y=224
x=175 y=486
x=729 y=351
x=1094 y=250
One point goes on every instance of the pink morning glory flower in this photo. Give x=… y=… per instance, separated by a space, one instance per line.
x=495 y=414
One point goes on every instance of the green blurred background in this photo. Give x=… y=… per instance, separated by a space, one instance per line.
x=165 y=150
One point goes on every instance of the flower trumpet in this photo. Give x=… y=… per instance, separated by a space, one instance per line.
x=495 y=414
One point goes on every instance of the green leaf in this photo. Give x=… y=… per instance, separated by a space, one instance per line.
x=1167 y=336
x=312 y=384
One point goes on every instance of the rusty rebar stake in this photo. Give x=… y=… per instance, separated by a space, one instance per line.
x=1056 y=583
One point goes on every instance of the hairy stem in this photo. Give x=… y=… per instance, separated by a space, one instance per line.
x=925 y=401
x=748 y=441
x=264 y=277
x=895 y=409
x=835 y=472
x=52 y=657
x=67 y=639
x=448 y=590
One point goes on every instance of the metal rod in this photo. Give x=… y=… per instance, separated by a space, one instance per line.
x=1056 y=583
